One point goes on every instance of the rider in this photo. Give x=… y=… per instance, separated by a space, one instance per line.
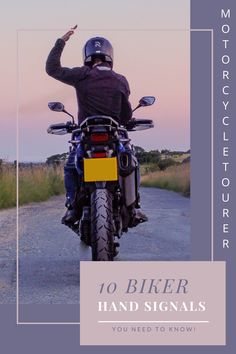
x=99 y=90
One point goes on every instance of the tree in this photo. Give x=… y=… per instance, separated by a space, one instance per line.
x=165 y=152
x=139 y=150
x=56 y=159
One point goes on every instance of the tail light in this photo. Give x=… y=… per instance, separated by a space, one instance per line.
x=99 y=138
x=99 y=154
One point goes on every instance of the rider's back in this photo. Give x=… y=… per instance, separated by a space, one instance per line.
x=103 y=91
x=99 y=89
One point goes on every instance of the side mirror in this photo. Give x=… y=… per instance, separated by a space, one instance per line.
x=56 y=106
x=147 y=101
x=59 y=107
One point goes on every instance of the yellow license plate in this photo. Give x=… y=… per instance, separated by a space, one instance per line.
x=100 y=169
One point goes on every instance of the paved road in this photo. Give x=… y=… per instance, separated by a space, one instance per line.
x=49 y=252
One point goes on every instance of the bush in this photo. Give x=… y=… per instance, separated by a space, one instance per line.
x=148 y=157
x=57 y=159
x=148 y=168
x=165 y=163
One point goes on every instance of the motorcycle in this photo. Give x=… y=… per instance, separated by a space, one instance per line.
x=109 y=177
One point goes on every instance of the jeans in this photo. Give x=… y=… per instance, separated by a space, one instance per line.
x=71 y=178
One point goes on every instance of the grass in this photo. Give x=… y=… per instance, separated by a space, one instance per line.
x=180 y=158
x=175 y=178
x=145 y=169
x=7 y=186
x=36 y=184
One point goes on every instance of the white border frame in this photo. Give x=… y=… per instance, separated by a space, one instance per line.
x=17 y=154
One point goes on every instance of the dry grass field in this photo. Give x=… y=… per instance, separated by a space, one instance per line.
x=36 y=184
x=175 y=178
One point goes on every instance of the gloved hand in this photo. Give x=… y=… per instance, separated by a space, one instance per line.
x=131 y=123
x=68 y=34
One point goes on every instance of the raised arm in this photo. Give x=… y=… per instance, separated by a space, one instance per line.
x=53 y=63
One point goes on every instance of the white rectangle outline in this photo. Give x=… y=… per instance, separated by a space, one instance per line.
x=17 y=154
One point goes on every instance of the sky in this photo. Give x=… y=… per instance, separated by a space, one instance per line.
x=151 y=41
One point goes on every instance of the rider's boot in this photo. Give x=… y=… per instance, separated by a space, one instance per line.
x=137 y=217
x=71 y=180
x=70 y=216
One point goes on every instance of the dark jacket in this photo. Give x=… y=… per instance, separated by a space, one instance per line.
x=99 y=90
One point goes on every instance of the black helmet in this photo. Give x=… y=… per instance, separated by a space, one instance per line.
x=97 y=47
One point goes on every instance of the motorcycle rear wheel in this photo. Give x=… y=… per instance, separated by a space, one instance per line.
x=102 y=230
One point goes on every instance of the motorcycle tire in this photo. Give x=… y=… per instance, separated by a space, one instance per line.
x=102 y=230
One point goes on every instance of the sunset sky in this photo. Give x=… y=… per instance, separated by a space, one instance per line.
x=151 y=41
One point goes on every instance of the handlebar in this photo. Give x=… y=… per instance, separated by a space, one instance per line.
x=61 y=128
x=58 y=126
x=139 y=124
x=69 y=127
